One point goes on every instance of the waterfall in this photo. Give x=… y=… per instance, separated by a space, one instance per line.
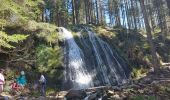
x=76 y=72
x=94 y=64
x=110 y=68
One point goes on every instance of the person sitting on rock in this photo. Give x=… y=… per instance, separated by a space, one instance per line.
x=15 y=86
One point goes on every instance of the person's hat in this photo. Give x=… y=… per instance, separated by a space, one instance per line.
x=22 y=73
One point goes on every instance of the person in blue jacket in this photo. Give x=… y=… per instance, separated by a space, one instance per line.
x=21 y=80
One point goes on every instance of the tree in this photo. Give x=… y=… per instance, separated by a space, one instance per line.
x=155 y=60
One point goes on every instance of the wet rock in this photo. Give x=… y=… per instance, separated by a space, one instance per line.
x=75 y=94
x=91 y=96
x=116 y=88
x=147 y=80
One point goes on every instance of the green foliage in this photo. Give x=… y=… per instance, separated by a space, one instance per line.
x=49 y=60
x=33 y=25
x=50 y=91
x=5 y=39
x=2 y=22
x=19 y=12
x=138 y=72
x=44 y=30
x=23 y=16
x=23 y=8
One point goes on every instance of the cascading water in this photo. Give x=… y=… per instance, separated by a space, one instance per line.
x=108 y=65
x=76 y=72
x=94 y=64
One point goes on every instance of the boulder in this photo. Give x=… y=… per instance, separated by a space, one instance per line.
x=75 y=94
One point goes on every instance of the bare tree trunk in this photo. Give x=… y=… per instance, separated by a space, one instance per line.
x=86 y=10
x=167 y=16
x=155 y=60
x=97 y=13
x=134 y=16
x=42 y=15
x=161 y=16
x=100 y=12
x=73 y=12
x=127 y=16
x=76 y=4
x=117 y=14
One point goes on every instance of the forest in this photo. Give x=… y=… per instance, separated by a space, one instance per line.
x=86 y=49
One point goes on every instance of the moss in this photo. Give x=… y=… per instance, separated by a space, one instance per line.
x=50 y=91
x=138 y=72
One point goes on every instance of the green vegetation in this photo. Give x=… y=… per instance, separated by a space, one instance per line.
x=138 y=73
x=49 y=60
x=34 y=48
x=5 y=39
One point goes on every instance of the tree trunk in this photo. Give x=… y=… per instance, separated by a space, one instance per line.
x=97 y=14
x=86 y=10
x=160 y=7
x=73 y=12
x=42 y=15
x=76 y=4
x=155 y=60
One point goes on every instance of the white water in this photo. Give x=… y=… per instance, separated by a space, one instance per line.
x=107 y=69
x=79 y=76
x=120 y=75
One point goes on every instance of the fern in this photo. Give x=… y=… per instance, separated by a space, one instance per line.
x=5 y=39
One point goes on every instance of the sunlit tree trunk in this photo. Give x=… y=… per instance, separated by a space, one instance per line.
x=97 y=14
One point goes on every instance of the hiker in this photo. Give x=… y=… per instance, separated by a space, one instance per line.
x=2 y=80
x=21 y=80
x=43 y=85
